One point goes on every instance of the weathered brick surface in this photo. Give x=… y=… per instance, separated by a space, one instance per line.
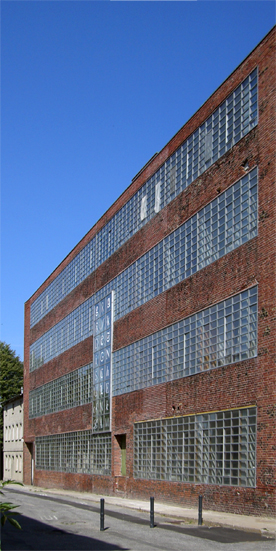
x=77 y=356
x=78 y=482
x=226 y=277
x=247 y=383
x=78 y=418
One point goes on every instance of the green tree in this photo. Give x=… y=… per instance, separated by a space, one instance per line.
x=11 y=379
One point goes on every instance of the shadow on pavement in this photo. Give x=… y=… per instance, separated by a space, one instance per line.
x=217 y=533
x=37 y=536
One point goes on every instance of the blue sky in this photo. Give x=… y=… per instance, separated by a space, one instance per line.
x=90 y=91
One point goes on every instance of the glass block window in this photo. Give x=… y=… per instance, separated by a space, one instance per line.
x=76 y=327
x=210 y=448
x=71 y=390
x=221 y=226
x=232 y=120
x=219 y=335
x=74 y=452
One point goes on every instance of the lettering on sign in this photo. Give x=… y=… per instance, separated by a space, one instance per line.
x=102 y=364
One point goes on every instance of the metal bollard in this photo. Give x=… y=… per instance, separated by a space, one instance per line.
x=199 y=510
x=102 y=515
x=152 y=512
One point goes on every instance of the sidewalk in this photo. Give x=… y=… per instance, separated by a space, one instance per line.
x=263 y=525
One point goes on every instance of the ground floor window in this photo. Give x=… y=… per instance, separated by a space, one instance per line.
x=74 y=452
x=12 y=465
x=210 y=448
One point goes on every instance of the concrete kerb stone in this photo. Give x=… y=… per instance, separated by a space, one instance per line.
x=263 y=525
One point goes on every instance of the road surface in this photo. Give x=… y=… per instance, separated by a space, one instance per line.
x=53 y=523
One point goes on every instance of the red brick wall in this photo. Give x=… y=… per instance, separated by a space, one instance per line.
x=78 y=418
x=251 y=382
x=77 y=356
x=226 y=277
x=72 y=481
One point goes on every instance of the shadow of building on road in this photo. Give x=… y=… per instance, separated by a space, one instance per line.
x=38 y=536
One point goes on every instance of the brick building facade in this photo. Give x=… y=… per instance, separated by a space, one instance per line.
x=150 y=350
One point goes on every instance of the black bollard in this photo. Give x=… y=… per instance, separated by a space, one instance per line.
x=102 y=515
x=152 y=512
x=199 y=510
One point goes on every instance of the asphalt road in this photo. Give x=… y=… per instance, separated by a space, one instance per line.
x=51 y=523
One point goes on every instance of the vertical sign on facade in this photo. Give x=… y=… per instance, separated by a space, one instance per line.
x=102 y=351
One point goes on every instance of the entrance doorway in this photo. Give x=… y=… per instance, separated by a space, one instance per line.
x=121 y=439
x=30 y=464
